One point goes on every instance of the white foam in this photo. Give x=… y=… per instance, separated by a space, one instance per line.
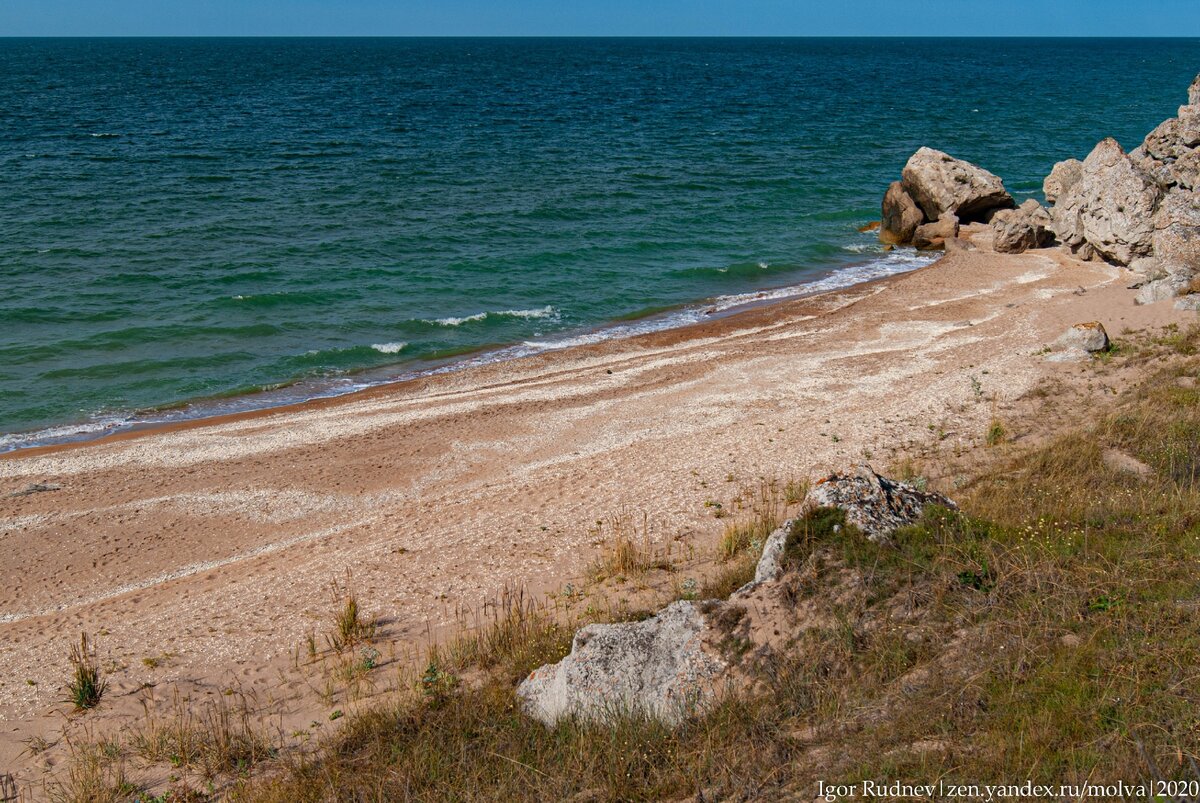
x=543 y=312
x=20 y=440
x=895 y=262
x=389 y=348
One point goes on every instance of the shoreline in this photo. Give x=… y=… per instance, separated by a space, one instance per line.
x=214 y=542
x=681 y=317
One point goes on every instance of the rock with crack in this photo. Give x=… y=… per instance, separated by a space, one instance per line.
x=1015 y=231
x=940 y=183
x=660 y=667
x=875 y=505
x=1111 y=207
x=1063 y=176
x=901 y=216
x=1163 y=289
x=933 y=236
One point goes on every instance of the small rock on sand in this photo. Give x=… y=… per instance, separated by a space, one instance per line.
x=1119 y=461
x=1089 y=337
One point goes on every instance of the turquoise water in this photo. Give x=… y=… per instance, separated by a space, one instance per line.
x=186 y=222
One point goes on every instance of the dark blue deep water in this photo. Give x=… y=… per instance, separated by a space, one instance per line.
x=188 y=221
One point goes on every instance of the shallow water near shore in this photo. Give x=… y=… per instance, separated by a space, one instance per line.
x=205 y=219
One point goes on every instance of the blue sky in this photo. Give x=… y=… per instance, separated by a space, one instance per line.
x=600 y=17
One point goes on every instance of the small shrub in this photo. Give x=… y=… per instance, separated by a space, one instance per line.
x=87 y=684
x=350 y=626
x=437 y=684
x=996 y=433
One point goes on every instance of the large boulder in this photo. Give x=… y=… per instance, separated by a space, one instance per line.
x=1015 y=231
x=1063 y=176
x=1168 y=154
x=934 y=236
x=1111 y=207
x=901 y=216
x=1177 y=233
x=660 y=667
x=1163 y=289
x=875 y=505
x=940 y=183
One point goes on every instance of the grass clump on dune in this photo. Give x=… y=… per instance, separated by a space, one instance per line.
x=87 y=684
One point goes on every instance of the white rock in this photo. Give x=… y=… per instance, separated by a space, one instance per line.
x=1089 y=337
x=1160 y=290
x=1189 y=303
x=658 y=667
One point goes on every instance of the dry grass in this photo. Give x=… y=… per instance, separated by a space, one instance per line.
x=95 y=773
x=510 y=636
x=760 y=510
x=87 y=684
x=350 y=626
x=225 y=736
x=627 y=548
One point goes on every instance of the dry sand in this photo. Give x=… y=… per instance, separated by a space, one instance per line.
x=215 y=543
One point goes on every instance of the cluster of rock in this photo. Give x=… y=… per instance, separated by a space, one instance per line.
x=676 y=663
x=1138 y=209
x=936 y=193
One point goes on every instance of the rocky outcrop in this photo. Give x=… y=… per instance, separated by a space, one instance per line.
x=1139 y=209
x=933 y=236
x=875 y=505
x=660 y=667
x=940 y=183
x=680 y=660
x=1015 y=231
x=1111 y=207
x=1168 y=153
x=901 y=216
x=1063 y=176
x=936 y=193
x=1176 y=238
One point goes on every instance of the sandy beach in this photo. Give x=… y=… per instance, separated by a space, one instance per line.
x=212 y=545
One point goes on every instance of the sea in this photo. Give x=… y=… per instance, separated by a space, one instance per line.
x=191 y=227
